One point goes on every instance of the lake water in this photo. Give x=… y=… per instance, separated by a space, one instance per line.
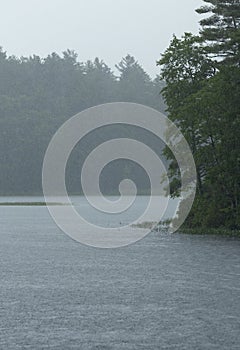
x=163 y=292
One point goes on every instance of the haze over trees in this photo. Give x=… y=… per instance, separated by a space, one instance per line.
x=38 y=94
x=202 y=92
x=200 y=83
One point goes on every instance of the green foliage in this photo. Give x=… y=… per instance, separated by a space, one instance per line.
x=203 y=99
x=221 y=30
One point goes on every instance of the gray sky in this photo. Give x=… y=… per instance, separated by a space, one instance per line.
x=108 y=29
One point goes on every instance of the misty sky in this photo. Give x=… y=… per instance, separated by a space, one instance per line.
x=108 y=29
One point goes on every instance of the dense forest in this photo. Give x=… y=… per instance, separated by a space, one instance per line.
x=202 y=92
x=199 y=83
x=38 y=94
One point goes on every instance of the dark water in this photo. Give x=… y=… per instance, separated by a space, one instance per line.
x=164 y=292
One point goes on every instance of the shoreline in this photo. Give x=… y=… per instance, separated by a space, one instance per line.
x=204 y=231
x=28 y=204
x=224 y=232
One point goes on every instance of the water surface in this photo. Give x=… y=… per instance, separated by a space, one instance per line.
x=164 y=292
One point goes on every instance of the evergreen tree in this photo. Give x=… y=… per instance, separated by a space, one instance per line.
x=202 y=93
x=38 y=94
x=134 y=83
x=221 y=30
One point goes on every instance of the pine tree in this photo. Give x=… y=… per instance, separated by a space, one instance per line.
x=202 y=92
x=221 y=30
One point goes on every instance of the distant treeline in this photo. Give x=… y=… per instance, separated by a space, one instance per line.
x=38 y=94
x=202 y=76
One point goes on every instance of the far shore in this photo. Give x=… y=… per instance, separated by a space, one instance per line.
x=30 y=203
